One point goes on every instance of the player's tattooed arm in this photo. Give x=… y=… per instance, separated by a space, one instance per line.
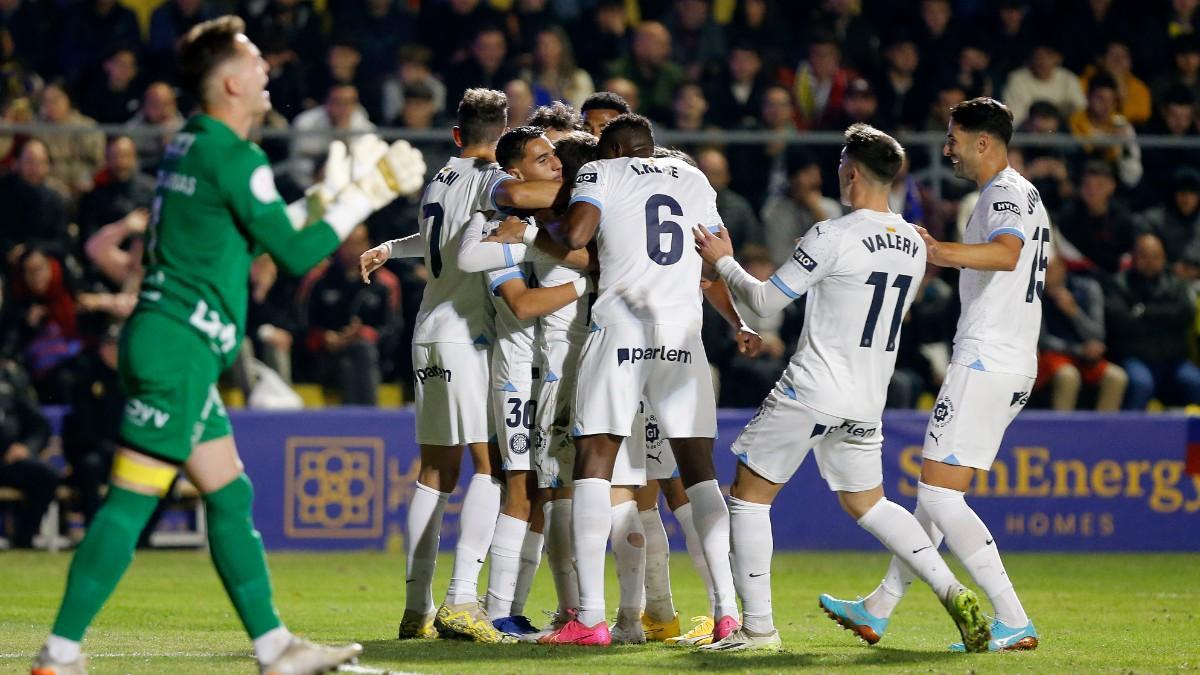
x=532 y=194
x=998 y=255
x=718 y=295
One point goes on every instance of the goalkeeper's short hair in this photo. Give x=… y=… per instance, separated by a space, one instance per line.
x=204 y=49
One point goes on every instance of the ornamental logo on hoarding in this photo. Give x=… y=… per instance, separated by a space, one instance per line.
x=334 y=488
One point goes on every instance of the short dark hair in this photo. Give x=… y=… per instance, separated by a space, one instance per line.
x=205 y=47
x=605 y=100
x=482 y=116
x=557 y=116
x=1041 y=108
x=628 y=129
x=510 y=149
x=574 y=150
x=984 y=115
x=880 y=154
x=1101 y=81
x=673 y=153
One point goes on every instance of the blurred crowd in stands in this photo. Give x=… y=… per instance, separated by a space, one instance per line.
x=1120 y=294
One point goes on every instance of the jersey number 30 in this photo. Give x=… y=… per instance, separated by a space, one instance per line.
x=656 y=228
x=880 y=281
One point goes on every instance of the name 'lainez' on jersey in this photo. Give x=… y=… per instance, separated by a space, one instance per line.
x=1002 y=311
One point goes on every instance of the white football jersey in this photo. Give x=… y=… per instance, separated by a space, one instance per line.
x=569 y=321
x=1002 y=311
x=454 y=306
x=649 y=268
x=861 y=272
x=514 y=337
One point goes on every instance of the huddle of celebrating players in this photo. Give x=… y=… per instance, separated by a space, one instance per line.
x=578 y=382
x=559 y=339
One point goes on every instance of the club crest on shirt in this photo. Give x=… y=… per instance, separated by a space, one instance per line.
x=519 y=443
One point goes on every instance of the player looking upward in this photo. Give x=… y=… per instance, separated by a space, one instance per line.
x=857 y=271
x=452 y=344
x=1003 y=258
x=216 y=208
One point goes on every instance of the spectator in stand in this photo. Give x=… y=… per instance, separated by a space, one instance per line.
x=1149 y=312
x=1100 y=118
x=820 y=84
x=120 y=189
x=759 y=170
x=27 y=24
x=1044 y=79
x=625 y=89
x=17 y=79
x=168 y=24
x=341 y=113
x=74 y=157
x=600 y=108
x=485 y=66
x=937 y=36
x=380 y=28
x=520 y=99
x=1177 y=120
x=351 y=326
x=1185 y=70
x=34 y=214
x=746 y=380
x=419 y=108
x=602 y=37
x=525 y=21
x=285 y=77
x=414 y=68
x=343 y=65
x=115 y=98
x=858 y=106
x=1133 y=96
x=905 y=197
x=1071 y=346
x=42 y=311
x=845 y=21
x=1048 y=168
x=159 y=114
x=554 y=74
x=270 y=320
x=1177 y=220
x=757 y=23
x=736 y=212
x=293 y=22
x=902 y=99
x=1096 y=226
x=451 y=29
x=974 y=71
x=1009 y=35
x=91 y=428
x=1181 y=17
x=650 y=68
x=24 y=432
x=697 y=42
x=690 y=109
x=923 y=356
x=1092 y=24
x=791 y=212
x=89 y=29
x=736 y=95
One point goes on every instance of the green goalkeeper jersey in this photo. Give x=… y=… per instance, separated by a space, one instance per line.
x=216 y=209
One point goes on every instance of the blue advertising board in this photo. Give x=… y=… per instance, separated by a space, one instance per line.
x=341 y=479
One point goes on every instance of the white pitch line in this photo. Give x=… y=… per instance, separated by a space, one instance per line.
x=371 y=671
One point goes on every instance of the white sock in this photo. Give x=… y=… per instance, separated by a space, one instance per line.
x=660 y=606
x=421 y=547
x=971 y=542
x=476 y=525
x=900 y=532
x=531 y=559
x=506 y=563
x=890 y=591
x=270 y=645
x=695 y=551
x=629 y=552
x=63 y=650
x=753 y=547
x=712 y=525
x=560 y=554
x=591 y=520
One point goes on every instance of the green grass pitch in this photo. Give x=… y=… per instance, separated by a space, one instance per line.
x=1096 y=613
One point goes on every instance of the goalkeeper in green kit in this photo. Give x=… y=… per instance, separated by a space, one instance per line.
x=215 y=210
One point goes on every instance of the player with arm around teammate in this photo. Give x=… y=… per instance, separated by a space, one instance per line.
x=215 y=210
x=1003 y=258
x=860 y=273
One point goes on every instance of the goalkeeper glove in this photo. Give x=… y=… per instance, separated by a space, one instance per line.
x=399 y=171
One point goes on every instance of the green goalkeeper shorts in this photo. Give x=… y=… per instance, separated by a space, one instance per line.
x=169 y=376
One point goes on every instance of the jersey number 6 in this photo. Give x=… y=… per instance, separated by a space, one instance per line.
x=656 y=228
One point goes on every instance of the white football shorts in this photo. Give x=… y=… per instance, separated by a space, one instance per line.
x=972 y=411
x=452 y=391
